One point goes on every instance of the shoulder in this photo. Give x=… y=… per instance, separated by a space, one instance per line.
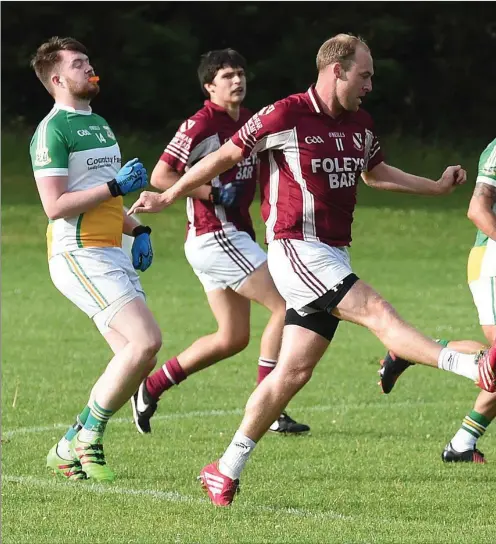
x=54 y=126
x=245 y=114
x=364 y=119
x=55 y=119
x=94 y=118
x=487 y=162
x=201 y=123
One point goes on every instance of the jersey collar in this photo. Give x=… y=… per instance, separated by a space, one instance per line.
x=315 y=105
x=314 y=99
x=72 y=110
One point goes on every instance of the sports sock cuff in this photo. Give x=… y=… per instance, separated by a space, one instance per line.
x=442 y=342
x=479 y=418
x=174 y=371
x=83 y=416
x=239 y=437
x=262 y=361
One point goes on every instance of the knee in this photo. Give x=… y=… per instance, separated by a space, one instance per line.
x=296 y=377
x=233 y=343
x=381 y=315
x=150 y=365
x=149 y=347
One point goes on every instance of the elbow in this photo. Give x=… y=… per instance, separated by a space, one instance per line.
x=368 y=180
x=53 y=213
x=154 y=183
x=473 y=214
x=158 y=183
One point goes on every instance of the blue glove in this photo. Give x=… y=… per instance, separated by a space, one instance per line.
x=131 y=177
x=226 y=195
x=141 y=251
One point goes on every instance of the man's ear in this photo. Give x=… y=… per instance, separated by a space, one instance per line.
x=209 y=87
x=56 y=81
x=337 y=70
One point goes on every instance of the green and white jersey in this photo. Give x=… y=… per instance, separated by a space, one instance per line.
x=482 y=260
x=79 y=145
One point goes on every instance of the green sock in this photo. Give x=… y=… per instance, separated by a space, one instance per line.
x=95 y=424
x=442 y=342
x=80 y=421
x=474 y=425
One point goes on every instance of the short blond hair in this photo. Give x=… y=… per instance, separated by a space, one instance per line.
x=340 y=48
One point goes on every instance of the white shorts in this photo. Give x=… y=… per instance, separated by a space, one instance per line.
x=304 y=271
x=481 y=271
x=484 y=295
x=99 y=281
x=224 y=258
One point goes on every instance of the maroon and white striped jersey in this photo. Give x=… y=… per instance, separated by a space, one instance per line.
x=198 y=136
x=310 y=165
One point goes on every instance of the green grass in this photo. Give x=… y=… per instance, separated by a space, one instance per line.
x=369 y=472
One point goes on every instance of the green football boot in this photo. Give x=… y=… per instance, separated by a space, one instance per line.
x=92 y=459
x=68 y=469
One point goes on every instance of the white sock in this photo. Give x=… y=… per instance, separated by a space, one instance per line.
x=235 y=457
x=463 y=441
x=459 y=363
x=63 y=449
x=86 y=435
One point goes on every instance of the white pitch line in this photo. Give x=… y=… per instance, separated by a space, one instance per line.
x=168 y=496
x=340 y=408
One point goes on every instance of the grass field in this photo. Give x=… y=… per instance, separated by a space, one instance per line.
x=369 y=472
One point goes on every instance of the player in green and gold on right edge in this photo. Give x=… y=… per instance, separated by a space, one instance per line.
x=482 y=282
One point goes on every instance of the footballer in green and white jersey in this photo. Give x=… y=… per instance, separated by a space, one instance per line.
x=482 y=259
x=81 y=145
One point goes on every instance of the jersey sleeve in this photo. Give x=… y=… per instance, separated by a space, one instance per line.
x=487 y=165
x=49 y=150
x=193 y=141
x=270 y=128
x=373 y=151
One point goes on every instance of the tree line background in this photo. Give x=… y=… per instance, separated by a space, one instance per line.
x=435 y=62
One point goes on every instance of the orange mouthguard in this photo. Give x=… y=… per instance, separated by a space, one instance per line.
x=94 y=79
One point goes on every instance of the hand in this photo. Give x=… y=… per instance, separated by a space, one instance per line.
x=452 y=176
x=141 y=251
x=150 y=202
x=131 y=177
x=226 y=195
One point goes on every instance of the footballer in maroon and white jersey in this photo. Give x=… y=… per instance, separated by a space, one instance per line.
x=197 y=137
x=310 y=165
x=313 y=147
x=220 y=244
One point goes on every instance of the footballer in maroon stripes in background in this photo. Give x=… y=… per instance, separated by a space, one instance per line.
x=313 y=149
x=220 y=242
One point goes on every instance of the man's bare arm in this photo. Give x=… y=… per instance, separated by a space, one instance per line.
x=201 y=173
x=480 y=210
x=388 y=178
x=58 y=202
x=164 y=177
